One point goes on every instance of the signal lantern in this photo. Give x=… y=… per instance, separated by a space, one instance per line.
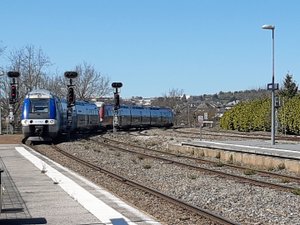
x=117 y=101
x=71 y=96
x=13 y=94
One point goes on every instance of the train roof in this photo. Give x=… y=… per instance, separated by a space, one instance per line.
x=138 y=107
x=40 y=93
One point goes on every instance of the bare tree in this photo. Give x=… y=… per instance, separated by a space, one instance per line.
x=90 y=83
x=31 y=64
x=175 y=93
x=174 y=99
x=57 y=84
x=4 y=90
x=171 y=99
x=1 y=52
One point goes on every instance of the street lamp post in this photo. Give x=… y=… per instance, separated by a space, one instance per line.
x=1 y=73
x=272 y=86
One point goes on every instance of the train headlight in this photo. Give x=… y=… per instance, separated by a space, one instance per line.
x=51 y=122
x=25 y=122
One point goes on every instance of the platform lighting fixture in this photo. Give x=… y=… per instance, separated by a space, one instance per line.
x=272 y=86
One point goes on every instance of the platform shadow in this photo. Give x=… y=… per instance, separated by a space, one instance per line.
x=23 y=221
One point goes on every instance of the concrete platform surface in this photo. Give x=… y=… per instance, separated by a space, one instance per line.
x=37 y=190
x=281 y=149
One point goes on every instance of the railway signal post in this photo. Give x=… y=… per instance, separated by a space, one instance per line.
x=70 y=98
x=116 y=86
x=13 y=97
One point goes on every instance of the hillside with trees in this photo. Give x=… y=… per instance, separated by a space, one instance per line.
x=188 y=108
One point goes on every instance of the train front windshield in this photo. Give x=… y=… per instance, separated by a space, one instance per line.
x=39 y=106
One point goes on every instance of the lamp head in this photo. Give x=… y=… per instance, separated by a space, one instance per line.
x=268 y=27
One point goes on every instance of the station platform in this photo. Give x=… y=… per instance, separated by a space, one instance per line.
x=280 y=149
x=36 y=190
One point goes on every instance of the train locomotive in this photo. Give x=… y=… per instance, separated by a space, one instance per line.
x=44 y=116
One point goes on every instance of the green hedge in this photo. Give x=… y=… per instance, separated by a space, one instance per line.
x=256 y=116
x=289 y=115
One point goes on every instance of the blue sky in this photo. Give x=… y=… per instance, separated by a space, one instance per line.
x=199 y=46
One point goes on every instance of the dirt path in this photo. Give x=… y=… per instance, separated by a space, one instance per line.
x=11 y=138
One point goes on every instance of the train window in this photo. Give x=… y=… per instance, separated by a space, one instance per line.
x=39 y=105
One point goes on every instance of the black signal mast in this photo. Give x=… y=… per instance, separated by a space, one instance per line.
x=116 y=86
x=70 y=97
x=13 y=97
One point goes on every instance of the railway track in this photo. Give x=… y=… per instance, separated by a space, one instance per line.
x=234 y=135
x=191 y=208
x=239 y=201
x=165 y=156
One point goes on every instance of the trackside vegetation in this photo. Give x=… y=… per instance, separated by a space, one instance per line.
x=248 y=116
x=256 y=116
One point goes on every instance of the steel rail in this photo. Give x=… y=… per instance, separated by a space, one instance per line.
x=241 y=178
x=199 y=211
x=262 y=172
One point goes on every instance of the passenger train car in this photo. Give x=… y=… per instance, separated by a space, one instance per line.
x=136 y=116
x=44 y=116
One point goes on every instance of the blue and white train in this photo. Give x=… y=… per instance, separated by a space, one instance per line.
x=44 y=116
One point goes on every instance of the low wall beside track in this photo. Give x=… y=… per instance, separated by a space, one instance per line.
x=240 y=158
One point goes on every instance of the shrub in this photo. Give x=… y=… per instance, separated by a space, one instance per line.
x=296 y=191
x=147 y=166
x=249 y=172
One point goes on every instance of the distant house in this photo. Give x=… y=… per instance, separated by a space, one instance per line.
x=141 y=101
x=229 y=105
x=208 y=112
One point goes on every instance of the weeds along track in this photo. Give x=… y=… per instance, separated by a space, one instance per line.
x=239 y=173
x=206 y=216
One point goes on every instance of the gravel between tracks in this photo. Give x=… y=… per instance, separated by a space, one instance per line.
x=243 y=203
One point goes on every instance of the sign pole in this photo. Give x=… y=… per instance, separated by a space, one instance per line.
x=200 y=121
